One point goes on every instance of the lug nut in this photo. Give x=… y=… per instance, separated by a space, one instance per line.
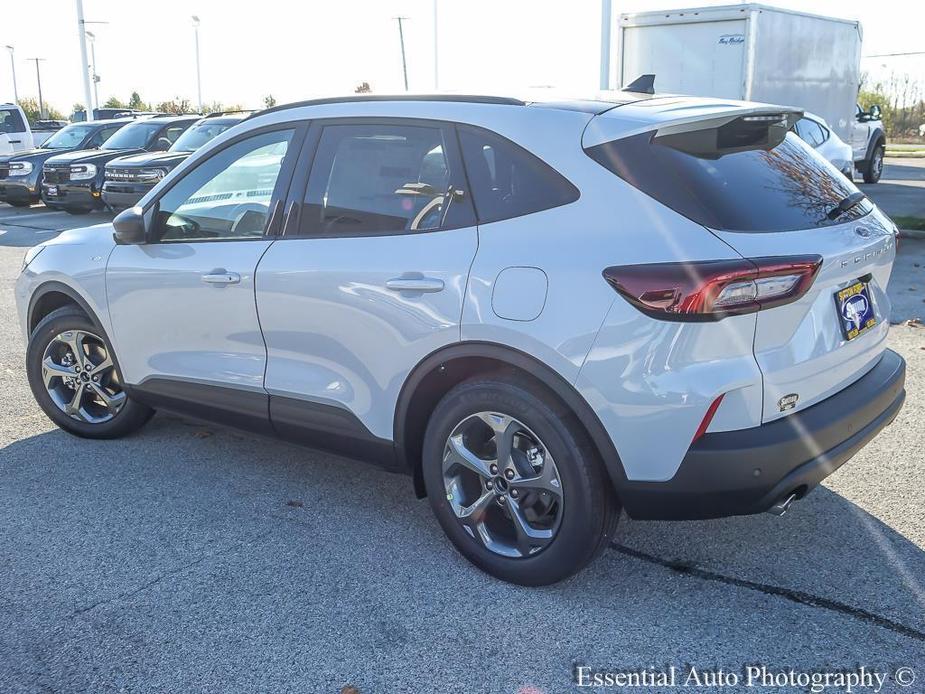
x=77 y=369
x=489 y=484
x=494 y=469
x=514 y=493
x=509 y=474
x=96 y=378
x=502 y=499
x=89 y=367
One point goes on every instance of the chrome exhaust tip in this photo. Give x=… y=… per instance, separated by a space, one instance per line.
x=781 y=507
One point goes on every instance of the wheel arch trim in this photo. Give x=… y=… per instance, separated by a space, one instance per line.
x=55 y=286
x=517 y=359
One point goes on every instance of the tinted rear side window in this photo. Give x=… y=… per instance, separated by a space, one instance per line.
x=779 y=188
x=506 y=180
x=11 y=121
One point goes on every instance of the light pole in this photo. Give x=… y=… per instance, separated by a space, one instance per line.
x=13 y=68
x=198 y=75
x=96 y=78
x=606 y=23
x=38 y=77
x=85 y=73
x=401 y=38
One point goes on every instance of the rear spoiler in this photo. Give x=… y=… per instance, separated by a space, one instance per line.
x=681 y=115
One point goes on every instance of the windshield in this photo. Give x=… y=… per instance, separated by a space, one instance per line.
x=133 y=136
x=742 y=185
x=68 y=137
x=198 y=135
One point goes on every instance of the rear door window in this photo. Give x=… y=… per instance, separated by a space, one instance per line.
x=741 y=182
x=11 y=121
x=508 y=181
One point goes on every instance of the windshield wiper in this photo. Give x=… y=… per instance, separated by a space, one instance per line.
x=845 y=205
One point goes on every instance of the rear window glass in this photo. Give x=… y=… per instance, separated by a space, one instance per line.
x=507 y=181
x=753 y=187
x=11 y=121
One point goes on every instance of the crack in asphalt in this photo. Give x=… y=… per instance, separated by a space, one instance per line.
x=167 y=574
x=797 y=596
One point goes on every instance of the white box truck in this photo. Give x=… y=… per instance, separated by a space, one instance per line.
x=748 y=52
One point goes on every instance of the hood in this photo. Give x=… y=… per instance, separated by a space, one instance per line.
x=90 y=156
x=99 y=235
x=36 y=156
x=166 y=160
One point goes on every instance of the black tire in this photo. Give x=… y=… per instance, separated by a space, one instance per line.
x=590 y=509
x=77 y=210
x=20 y=203
x=129 y=418
x=873 y=167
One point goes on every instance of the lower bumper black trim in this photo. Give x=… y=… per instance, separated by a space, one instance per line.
x=748 y=471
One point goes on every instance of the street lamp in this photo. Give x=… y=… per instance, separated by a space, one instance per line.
x=13 y=68
x=198 y=75
x=401 y=38
x=38 y=77
x=85 y=74
x=95 y=77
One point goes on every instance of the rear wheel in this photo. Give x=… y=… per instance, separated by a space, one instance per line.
x=514 y=482
x=874 y=168
x=77 y=210
x=75 y=378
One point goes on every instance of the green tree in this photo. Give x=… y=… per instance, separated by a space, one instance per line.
x=269 y=101
x=363 y=88
x=175 y=105
x=114 y=102
x=31 y=108
x=136 y=103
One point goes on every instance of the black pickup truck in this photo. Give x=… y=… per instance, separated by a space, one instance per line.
x=73 y=182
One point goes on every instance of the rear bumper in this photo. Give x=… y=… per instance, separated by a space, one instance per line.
x=120 y=196
x=749 y=471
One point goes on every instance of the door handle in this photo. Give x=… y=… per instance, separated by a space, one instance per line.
x=221 y=276
x=415 y=284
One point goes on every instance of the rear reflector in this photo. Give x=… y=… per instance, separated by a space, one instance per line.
x=707 y=418
x=711 y=290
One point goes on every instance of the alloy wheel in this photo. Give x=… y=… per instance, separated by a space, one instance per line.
x=80 y=377
x=502 y=484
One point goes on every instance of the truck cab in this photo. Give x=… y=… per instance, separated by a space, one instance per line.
x=15 y=133
x=868 y=143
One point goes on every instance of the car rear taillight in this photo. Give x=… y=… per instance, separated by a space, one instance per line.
x=713 y=289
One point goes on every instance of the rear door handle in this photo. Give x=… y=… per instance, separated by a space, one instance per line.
x=221 y=276
x=415 y=284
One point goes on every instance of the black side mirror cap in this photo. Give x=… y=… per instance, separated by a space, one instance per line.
x=129 y=227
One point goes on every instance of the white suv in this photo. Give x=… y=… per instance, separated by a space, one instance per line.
x=544 y=312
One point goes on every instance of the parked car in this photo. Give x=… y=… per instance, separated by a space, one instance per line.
x=21 y=174
x=813 y=130
x=74 y=181
x=15 y=133
x=106 y=113
x=868 y=140
x=128 y=179
x=543 y=312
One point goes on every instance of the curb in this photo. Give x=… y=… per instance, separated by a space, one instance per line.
x=912 y=234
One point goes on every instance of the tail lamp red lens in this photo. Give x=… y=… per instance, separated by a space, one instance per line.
x=713 y=289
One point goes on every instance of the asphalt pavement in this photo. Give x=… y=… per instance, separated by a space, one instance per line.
x=901 y=190
x=189 y=558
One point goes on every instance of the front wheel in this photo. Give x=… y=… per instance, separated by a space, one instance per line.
x=77 y=210
x=515 y=483
x=75 y=378
x=874 y=168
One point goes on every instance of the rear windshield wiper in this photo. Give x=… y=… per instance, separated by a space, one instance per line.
x=845 y=205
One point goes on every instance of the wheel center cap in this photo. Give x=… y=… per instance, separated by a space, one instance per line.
x=84 y=376
x=501 y=485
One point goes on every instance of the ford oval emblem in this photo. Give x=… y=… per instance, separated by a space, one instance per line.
x=862 y=231
x=788 y=402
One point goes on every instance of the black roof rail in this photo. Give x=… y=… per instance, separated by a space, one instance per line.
x=217 y=114
x=462 y=98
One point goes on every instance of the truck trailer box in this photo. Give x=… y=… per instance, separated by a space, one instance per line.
x=747 y=52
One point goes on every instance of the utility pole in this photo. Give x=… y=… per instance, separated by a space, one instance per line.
x=401 y=38
x=85 y=73
x=95 y=77
x=198 y=75
x=13 y=68
x=436 y=51
x=38 y=77
x=606 y=11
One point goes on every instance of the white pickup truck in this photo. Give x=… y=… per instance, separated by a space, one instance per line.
x=15 y=133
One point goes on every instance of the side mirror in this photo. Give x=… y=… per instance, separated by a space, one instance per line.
x=129 y=227
x=874 y=112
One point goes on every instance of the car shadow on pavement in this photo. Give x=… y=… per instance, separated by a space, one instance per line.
x=104 y=513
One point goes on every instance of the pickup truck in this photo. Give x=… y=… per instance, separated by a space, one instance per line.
x=15 y=133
